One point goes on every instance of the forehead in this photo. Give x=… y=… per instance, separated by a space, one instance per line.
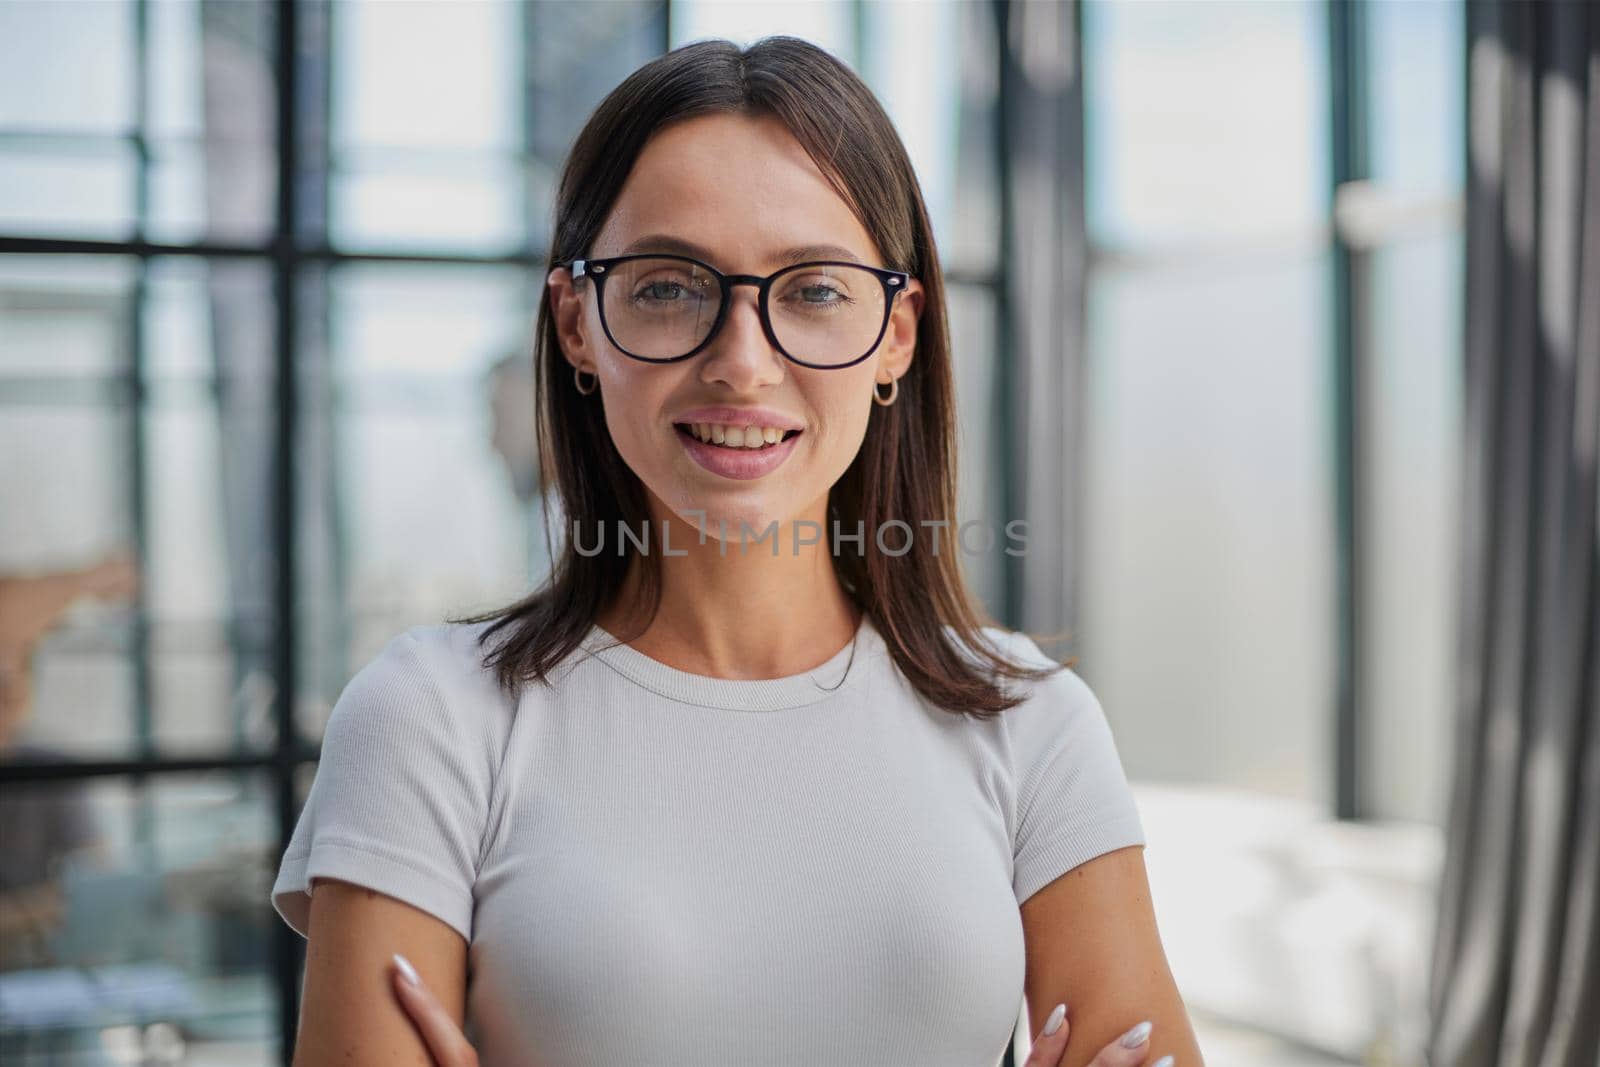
x=739 y=186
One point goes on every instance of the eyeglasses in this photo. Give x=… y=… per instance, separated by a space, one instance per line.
x=826 y=314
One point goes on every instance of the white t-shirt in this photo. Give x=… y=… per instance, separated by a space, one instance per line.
x=663 y=868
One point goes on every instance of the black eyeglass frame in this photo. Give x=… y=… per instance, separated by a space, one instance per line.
x=894 y=283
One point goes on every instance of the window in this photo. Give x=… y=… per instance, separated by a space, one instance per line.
x=1209 y=554
x=155 y=286
x=244 y=357
x=1220 y=549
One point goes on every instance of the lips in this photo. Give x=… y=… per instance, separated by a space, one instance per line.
x=737 y=463
x=727 y=415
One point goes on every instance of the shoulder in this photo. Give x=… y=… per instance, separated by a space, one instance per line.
x=1061 y=688
x=430 y=679
x=1058 y=716
x=450 y=653
x=444 y=656
x=1019 y=645
x=1014 y=644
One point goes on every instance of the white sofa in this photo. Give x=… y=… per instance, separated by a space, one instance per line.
x=1281 y=918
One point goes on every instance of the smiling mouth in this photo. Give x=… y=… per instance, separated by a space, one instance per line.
x=741 y=439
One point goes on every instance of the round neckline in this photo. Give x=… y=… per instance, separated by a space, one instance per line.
x=813 y=686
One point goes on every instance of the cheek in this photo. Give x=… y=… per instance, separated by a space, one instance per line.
x=838 y=424
x=843 y=429
x=633 y=405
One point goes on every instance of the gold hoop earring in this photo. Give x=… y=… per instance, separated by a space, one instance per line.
x=577 y=380
x=894 y=391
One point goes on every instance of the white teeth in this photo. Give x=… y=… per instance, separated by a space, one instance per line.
x=737 y=436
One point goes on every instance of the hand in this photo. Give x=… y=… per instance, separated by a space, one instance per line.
x=114 y=578
x=1048 y=1047
x=446 y=1043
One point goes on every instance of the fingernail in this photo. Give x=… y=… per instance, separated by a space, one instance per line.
x=1136 y=1037
x=1165 y=1061
x=1052 y=1024
x=408 y=972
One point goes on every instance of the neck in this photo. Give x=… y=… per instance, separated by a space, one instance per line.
x=748 y=614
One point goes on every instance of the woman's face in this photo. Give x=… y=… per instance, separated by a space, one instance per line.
x=737 y=192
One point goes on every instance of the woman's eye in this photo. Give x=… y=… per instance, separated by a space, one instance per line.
x=660 y=290
x=820 y=294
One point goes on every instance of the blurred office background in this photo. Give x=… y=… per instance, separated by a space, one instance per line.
x=268 y=271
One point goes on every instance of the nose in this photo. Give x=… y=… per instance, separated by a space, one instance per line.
x=740 y=355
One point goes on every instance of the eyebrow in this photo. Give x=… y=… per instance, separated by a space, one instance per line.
x=665 y=242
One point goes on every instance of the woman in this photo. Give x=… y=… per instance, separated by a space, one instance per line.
x=725 y=791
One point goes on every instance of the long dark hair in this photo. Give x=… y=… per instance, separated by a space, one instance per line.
x=906 y=468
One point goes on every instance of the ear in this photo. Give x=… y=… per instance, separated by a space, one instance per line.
x=566 y=311
x=900 y=335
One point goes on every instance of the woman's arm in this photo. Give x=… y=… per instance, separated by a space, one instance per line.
x=1092 y=943
x=348 y=1013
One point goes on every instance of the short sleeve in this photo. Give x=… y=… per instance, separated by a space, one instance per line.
x=401 y=795
x=1073 y=800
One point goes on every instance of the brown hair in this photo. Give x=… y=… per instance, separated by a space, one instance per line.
x=906 y=467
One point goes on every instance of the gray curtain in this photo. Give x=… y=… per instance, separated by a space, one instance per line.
x=1516 y=968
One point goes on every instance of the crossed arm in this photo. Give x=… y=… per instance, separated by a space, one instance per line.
x=348 y=1015
x=1091 y=940
x=1092 y=944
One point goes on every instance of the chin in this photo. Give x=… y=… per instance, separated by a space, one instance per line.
x=757 y=517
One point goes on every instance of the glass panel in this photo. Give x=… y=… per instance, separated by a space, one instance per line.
x=577 y=52
x=68 y=138
x=425 y=126
x=911 y=56
x=1417 y=95
x=425 y=76
x=474 y=206
x=448 y=123
x=829 y=24
x=209 y=503
x=67 y=67
x=1414 y=444
x=61 y=318
x=1204 y=122
x=969 y=238
x=1208 y=585
x=1413 y=441
x=972 y=334
x=82 y=189
x=137 y=925
x=64 y=430
x=212 y=121
x=435 y=511
x=180 y=665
